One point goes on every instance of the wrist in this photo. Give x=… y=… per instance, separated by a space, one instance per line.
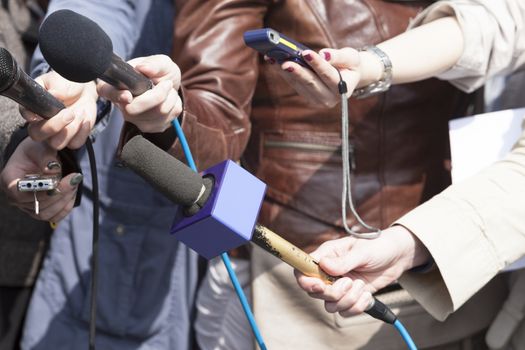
x=371 y=68
x=413 y=253
x=376 y=76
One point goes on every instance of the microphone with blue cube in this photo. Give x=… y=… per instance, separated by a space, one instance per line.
x=219 y=209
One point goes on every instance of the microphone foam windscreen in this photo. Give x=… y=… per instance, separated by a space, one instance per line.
x=75 y=46
x=7 y=69
x=164 y=172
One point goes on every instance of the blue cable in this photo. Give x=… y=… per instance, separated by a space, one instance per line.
x=224 y=256
x=404 y=334
x=184 y=144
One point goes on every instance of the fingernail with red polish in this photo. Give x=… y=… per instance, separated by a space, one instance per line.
x=308 y=57
x=327 y=56
x=289 y=69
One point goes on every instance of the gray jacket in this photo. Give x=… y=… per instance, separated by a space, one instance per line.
x=22 y=239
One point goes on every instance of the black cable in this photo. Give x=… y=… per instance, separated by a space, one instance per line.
x=94 y=256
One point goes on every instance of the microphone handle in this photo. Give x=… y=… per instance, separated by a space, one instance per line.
x=28 y=93
x=289 y=253
x=123 y=76
x=300 y=260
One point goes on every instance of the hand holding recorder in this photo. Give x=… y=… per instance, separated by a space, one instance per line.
x=313 y=75
x=31 y=157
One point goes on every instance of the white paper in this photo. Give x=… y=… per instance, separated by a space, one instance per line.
x=480 y=140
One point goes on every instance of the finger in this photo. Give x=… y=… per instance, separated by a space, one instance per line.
x=57 y=208
x=81 y=136
x=62 y=138
x=340 y=265
x=53 y=167
x=70 y=182
x=68 y=188
x=45 y=129
x=343 y=264
x=270 y=60
x=166 y=108
x=350 y=298
x=329 y=61
x=29 y=116
x=334 y=292
x=64 y=90
x=22 y=200
x=149 y=100
x=159 y=68
x=64 y=212
x=324 y=69
x=159 y=118
x=351 y=78
x=309 y=284
x=333 y=248
x=308 y=84
x=360 y=306
x=341 y=58
x=113 y=94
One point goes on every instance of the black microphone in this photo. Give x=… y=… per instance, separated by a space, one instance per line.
x=79 y=50
x=211 y=237
x=167 y=174
x=18 y=86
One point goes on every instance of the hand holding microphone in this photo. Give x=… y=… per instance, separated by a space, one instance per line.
x=365 y=266
x=63 y=38
x=154 y=110
x=70 y=127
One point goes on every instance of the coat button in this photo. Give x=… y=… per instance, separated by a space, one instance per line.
x=120 y=230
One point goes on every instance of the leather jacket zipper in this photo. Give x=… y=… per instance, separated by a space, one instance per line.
x=312 y=147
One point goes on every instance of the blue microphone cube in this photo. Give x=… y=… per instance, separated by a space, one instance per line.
x=227 y=219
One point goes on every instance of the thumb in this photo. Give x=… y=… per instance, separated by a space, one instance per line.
x=340 y=265
x=70 y=182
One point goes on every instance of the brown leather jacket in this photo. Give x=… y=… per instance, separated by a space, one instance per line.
x=233 y=103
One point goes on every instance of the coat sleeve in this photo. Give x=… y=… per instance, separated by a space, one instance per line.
x=473 y=230
x=494 y=33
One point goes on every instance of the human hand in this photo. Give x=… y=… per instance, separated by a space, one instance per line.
x=31 y=157
x=319 y=84
x=154 y=110
x=365 y=266
x=71 y=126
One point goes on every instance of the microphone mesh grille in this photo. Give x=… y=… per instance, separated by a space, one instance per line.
x=7 y=69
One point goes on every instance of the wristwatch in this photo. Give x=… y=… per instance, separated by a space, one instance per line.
x=382 y=84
